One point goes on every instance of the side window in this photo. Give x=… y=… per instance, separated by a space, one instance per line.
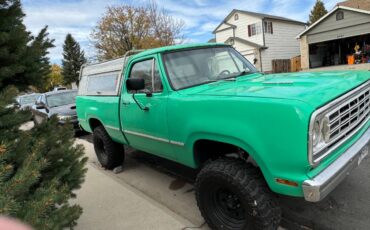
x=102 y=84
x=148 y=70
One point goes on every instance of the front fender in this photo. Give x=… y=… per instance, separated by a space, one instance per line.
x=272 y=131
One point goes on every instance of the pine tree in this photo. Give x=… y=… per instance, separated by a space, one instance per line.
x=13 y=43
x=23 y=60
x=37 y=64
x=317 y=12
x=39 y=169
x=73 y=59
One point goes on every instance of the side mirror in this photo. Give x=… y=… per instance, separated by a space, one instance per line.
x=40 y=106
x=135 y=84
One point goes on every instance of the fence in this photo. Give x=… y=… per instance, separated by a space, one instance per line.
x=295 y=64
x=286 y=65
x=281 y=65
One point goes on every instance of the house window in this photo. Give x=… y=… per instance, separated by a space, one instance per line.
x=254 y=29
x=340 y=15
x=267 y=26
x=236 y=17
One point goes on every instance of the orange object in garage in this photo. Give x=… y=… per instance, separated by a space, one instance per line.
x=351 y=59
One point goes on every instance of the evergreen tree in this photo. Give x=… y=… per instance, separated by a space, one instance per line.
x=317 y=12
x=23 y=60
x=13 y=43
x=73 y=59
x=37 y=64
x=39 y=169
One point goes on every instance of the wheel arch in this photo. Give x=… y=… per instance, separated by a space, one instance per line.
x=94 y=122
x=225 y=142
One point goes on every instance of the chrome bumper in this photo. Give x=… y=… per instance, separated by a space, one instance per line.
x=321 y=185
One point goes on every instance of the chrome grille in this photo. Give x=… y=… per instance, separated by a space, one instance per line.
x=348 y=115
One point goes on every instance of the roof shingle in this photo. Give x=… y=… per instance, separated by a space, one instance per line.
x=357 y=4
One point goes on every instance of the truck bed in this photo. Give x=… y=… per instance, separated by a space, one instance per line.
x=105 y=109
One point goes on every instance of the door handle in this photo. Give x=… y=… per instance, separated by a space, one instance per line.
x=126 y=102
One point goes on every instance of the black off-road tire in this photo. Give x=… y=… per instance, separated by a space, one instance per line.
x=110 y=154
x=232 y=194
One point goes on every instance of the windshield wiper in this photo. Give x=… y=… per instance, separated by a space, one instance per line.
x=233 y=77
x=242 y=73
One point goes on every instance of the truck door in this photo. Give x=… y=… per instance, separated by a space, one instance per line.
x=146 y=130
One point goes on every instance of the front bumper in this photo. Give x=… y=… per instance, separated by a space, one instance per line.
x=74 y=123
x=321 y=185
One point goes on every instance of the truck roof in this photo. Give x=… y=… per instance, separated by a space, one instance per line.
x=117 y=64
x=176 y=47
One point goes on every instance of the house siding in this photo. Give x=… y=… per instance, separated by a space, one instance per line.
x=340 y=33
x=222 y=36
x=354 y=23
x=282 y=44
x=241 y=29
x=249 y=52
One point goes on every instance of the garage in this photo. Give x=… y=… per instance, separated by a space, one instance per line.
x=341 y=37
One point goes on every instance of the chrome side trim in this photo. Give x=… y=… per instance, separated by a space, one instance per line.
x=177 y=143
x=321 y=185
x=80 y=119
x=325 y=108
x=146 y=136
x=153 y=137
x=111 y=127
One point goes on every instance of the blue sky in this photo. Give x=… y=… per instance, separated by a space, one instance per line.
x=78 y=17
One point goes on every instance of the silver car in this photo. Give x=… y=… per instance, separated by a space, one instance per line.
x=26 y=101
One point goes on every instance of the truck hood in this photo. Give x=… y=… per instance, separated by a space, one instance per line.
x=316 y=88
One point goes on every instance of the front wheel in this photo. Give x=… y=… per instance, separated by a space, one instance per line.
x=110 y=154
x=232 y=194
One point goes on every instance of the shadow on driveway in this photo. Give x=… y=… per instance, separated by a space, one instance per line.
x=347 y=207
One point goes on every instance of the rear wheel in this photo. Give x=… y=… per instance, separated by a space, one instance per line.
x=110 y=154
x=232 y=194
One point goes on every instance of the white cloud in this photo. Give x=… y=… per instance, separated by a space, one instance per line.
x=63 y=17
x=201 y=17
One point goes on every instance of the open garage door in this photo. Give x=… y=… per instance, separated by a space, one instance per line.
x=340 y=51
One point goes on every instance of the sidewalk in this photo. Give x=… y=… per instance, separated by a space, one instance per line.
x=108 y=204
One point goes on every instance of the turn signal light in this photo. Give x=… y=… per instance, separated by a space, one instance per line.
x=286 y=182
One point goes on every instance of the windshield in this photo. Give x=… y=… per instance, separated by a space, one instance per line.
x=23 y=100
x=60 y=99
x=199 y=66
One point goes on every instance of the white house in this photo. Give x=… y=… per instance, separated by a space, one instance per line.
x=260 y=37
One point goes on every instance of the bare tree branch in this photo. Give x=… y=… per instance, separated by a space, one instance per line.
x=126 y=27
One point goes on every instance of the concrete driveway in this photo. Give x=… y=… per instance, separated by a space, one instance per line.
x=171 y=186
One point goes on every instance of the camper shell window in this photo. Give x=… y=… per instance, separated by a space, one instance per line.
x=102 y=84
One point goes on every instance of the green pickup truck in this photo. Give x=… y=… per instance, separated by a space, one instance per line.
x=251 y=135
